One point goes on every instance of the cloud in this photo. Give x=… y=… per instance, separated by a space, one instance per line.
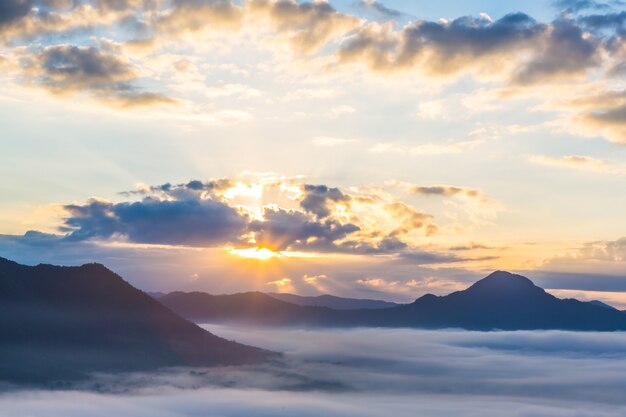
x=380 y=8
x=604 y=21
x=568 y=51
x=183 y=268
x=609 y=122
x=307 y=25
x=282 y=230
x=442 y=48
x=46 y=18
x=68 y=69
x=370 y=373
x=579 y=162
x=317 y=197
x=470 y=246
x=592 y=266
x=252 y=212
x=445 y=191
x=574 y=6
x=451 y=191
x=611 y=250
x=516 y=50
x=410 y=219
x=425 y=258
x=598 y=112
x=12 y=10
x=479 y=207
x=197 y=15
x=193 y=222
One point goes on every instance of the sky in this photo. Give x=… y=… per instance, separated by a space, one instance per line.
x=360 y=148
x=368 y=372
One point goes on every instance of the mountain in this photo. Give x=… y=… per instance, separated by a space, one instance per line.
x=156 y=294
x=601 y=304
x=249 y=307
x=62 y=323
x=331 y=301
x=510 y=302
x=500 y=301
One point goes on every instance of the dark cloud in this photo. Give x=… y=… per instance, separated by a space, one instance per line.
x=191 y=189
x=293 y=230
x=443 y=47
x=67 y=69
x=74 y=66
x=317 y=197
x=604 y=21
x=469 y=36
x=191 y=222
x=13 y=10
x=283 y=229
x=568 y=51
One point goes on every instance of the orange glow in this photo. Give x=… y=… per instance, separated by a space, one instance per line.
x=261 y=254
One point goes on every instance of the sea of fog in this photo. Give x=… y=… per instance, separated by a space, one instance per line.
x=368 y=372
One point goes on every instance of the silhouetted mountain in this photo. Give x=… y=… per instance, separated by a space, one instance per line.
x=500 y=301
x=156 y=294
x=601 y=304
x=59 y=323
x=336 y=303
x=243 y=307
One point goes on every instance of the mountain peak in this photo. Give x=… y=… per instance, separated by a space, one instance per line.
x=504 y=282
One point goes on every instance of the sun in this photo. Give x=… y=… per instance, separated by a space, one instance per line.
x=261 y=254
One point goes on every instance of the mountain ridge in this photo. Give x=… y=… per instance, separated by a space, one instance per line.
x=333 y=301
x=501 y=300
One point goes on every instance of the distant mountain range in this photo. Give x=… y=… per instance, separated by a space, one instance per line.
x=500 y=301
x=336 y=303
x=62 y=323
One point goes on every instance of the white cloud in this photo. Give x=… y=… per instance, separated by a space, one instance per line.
x=579 y=162
x=371 y=373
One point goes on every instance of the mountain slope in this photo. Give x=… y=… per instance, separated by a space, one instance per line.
x=510 y=302
x=500 y=301
x=331 y=301
x=249 y=307
x=65 y=322
x=601 y=304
